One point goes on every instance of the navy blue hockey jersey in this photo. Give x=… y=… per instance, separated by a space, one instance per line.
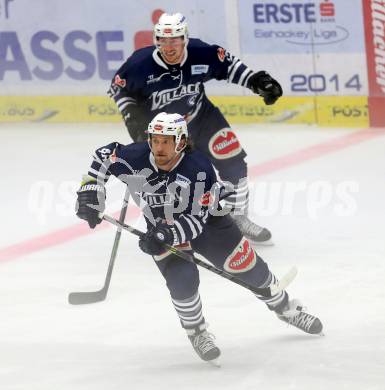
x=146 y=81
x=181 y=196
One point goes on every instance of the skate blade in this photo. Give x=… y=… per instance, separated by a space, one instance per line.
x=214 y=363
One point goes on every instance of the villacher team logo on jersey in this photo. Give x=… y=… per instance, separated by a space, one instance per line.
x=161 y=99
x=157 y=194
x=155 y=200
x=242 y=259
x=224 y=144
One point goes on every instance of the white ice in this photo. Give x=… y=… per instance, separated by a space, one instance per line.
x=133 y=340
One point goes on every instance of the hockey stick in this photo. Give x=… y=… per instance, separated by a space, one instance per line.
x=81 y=298
x=266 y=292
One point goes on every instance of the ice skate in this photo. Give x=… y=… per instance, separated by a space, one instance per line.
x=254 y=233
x=203 y=343
x=293 y=314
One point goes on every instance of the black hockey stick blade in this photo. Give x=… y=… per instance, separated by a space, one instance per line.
x=87 y=297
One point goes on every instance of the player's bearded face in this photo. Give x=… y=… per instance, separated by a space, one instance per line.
x=172 y=49
x=163 y=148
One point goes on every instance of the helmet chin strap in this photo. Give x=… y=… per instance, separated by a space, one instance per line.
x=181 y=150
x=175 y=157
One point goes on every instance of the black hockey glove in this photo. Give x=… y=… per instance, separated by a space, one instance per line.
x=264 y=85
x=90 y=194
x=153 y=241
x=135 y=123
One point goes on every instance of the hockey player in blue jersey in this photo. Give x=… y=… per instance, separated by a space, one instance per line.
x=175 y=187
x=170 y=77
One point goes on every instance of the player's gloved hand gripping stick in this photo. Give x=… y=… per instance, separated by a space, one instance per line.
x=265 y=291
x=77 y=298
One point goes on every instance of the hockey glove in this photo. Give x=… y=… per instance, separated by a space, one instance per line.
x=135 y=123
x=264 y=85
x=153 y=241
x=90 y=202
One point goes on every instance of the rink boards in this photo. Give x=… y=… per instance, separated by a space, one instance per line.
x=344 y=111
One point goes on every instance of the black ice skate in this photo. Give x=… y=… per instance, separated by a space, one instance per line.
x=293 y=314
x=203 y=343
x=254 y=233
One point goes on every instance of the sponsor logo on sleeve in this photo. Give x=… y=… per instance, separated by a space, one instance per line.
x=206 y=199
x=119 y=82
x=224 y=144
x=221 y=54
x=113 y=156
x=242 y=259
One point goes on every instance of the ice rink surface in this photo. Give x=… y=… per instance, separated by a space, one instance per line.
x=332 y=228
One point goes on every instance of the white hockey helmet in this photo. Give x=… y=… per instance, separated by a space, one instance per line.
x=171 y=26
x=169 y=124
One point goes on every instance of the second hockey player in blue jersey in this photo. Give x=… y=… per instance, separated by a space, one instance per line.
x=170 y=77
x=176 y=189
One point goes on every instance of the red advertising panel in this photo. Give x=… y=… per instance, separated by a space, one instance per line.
x=374 y=16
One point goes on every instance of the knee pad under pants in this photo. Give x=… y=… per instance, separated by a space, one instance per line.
x=182 y=277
